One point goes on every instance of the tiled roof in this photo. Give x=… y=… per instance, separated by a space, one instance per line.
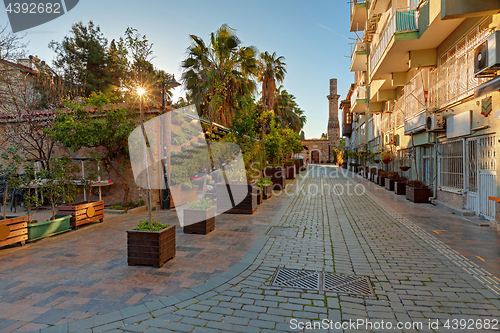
x=19 y=66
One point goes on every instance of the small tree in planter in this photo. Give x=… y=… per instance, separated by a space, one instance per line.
x=10 y=162
x=265 y=184
x=29 y=180
x=199 y=217
x=59 y=186
x=274 y=149
x=392 y=177
x=400 y=186
x=417 y=191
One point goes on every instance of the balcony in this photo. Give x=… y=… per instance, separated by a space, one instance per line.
x=358 y=100
x=454 y=80
x=400 y=27
x=346 y=120
x=358 y=15
x=359 y=58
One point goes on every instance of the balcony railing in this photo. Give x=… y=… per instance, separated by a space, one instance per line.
x=400 y=20
x=454 y=79
x=358 y=51
x=358 y=93
x=353 y=5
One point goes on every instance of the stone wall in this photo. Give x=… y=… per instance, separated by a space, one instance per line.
x=320 y=145
x=455 y=200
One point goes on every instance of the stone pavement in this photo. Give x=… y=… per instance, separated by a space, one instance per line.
x=414 y=276
x=82 y=273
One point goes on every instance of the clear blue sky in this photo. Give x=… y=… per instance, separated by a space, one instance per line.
x=312 y=35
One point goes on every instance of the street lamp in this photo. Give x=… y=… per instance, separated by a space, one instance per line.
x=141 y=91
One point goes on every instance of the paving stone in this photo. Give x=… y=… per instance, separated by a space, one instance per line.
x=135 y=328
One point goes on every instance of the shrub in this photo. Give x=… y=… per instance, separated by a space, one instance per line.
x=155 y=226
x=261 y=182
x=418 y=184
x=201 y=205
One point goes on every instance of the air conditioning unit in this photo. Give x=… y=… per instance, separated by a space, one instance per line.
x=389 y=106
x=487 y=56
x=389 y=139
x=434 y=122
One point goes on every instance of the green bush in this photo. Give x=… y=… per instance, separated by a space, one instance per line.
x=145 y=226
x=261 y=182
x=201 y=205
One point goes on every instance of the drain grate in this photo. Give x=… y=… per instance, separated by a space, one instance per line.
x=294 y=278
x=283 y=232
x=302 y=279
x=356 y=285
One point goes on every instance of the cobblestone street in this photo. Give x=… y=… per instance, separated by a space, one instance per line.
x=419 y=283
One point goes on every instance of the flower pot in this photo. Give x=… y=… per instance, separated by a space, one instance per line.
x=376 y=161
x=277 y=176
x=418 y=195
x=387 y=160
x=267 y=192
x=150 y=248
x=400 y=188
x=405 y=168
x=290 y=171
x=83 y=212
x=381 y=181
x=242 y=200
x=17 y=231
x=40 y=230
x=259 y=196
x=389 y=184
x=199 y=221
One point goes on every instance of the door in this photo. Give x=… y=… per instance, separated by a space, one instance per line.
x=315 y=156
x=481 y=175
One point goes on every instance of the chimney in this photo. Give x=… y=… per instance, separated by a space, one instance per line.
x=333 y=86
x=26 y=62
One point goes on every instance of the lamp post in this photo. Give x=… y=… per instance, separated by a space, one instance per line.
x=165 y=193
x=141 y=91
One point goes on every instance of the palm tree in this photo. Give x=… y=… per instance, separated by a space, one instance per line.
x=224 y=62
x=272 y=69
x=288 y=112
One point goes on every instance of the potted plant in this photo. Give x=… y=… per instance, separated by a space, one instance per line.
x=241 y=187
x=199 y=217
x=265 y=184
x=386 y=157
x=381 y=178
x=290 y=169
x=400 y=186
x=391 y=178
x=417 y=191
x=58 y=186
x=274 y=149
x=405 y=167
x=150 y=244
x=84 y=212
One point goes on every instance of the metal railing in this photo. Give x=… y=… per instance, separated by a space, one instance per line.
x=358 y=93
x=454 y=79
x=400 y=20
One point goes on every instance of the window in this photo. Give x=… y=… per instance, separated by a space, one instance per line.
x=451 y=165
x=427 y=163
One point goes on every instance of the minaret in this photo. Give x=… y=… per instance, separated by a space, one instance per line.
x=333 y=119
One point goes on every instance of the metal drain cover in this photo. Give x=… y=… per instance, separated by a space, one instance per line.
x=295 y=278
x=283 y=232
x=356 y=285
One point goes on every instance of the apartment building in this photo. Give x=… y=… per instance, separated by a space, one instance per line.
x=425 y=89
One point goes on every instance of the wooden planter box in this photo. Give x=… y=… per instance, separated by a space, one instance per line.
x=290 y=171
x=389 y=184
x=400 y=188
x=199 y=222
x=18 y=230
x=381 y=180
x=83 y=213
x=40 y=230
x=259 y=196
x=277 y=176
x=150 y=248
x=418 y=195
x=297 y=167
x=247 y=206
x=267 y=192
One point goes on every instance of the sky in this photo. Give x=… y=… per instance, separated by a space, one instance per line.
x=312 y=35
